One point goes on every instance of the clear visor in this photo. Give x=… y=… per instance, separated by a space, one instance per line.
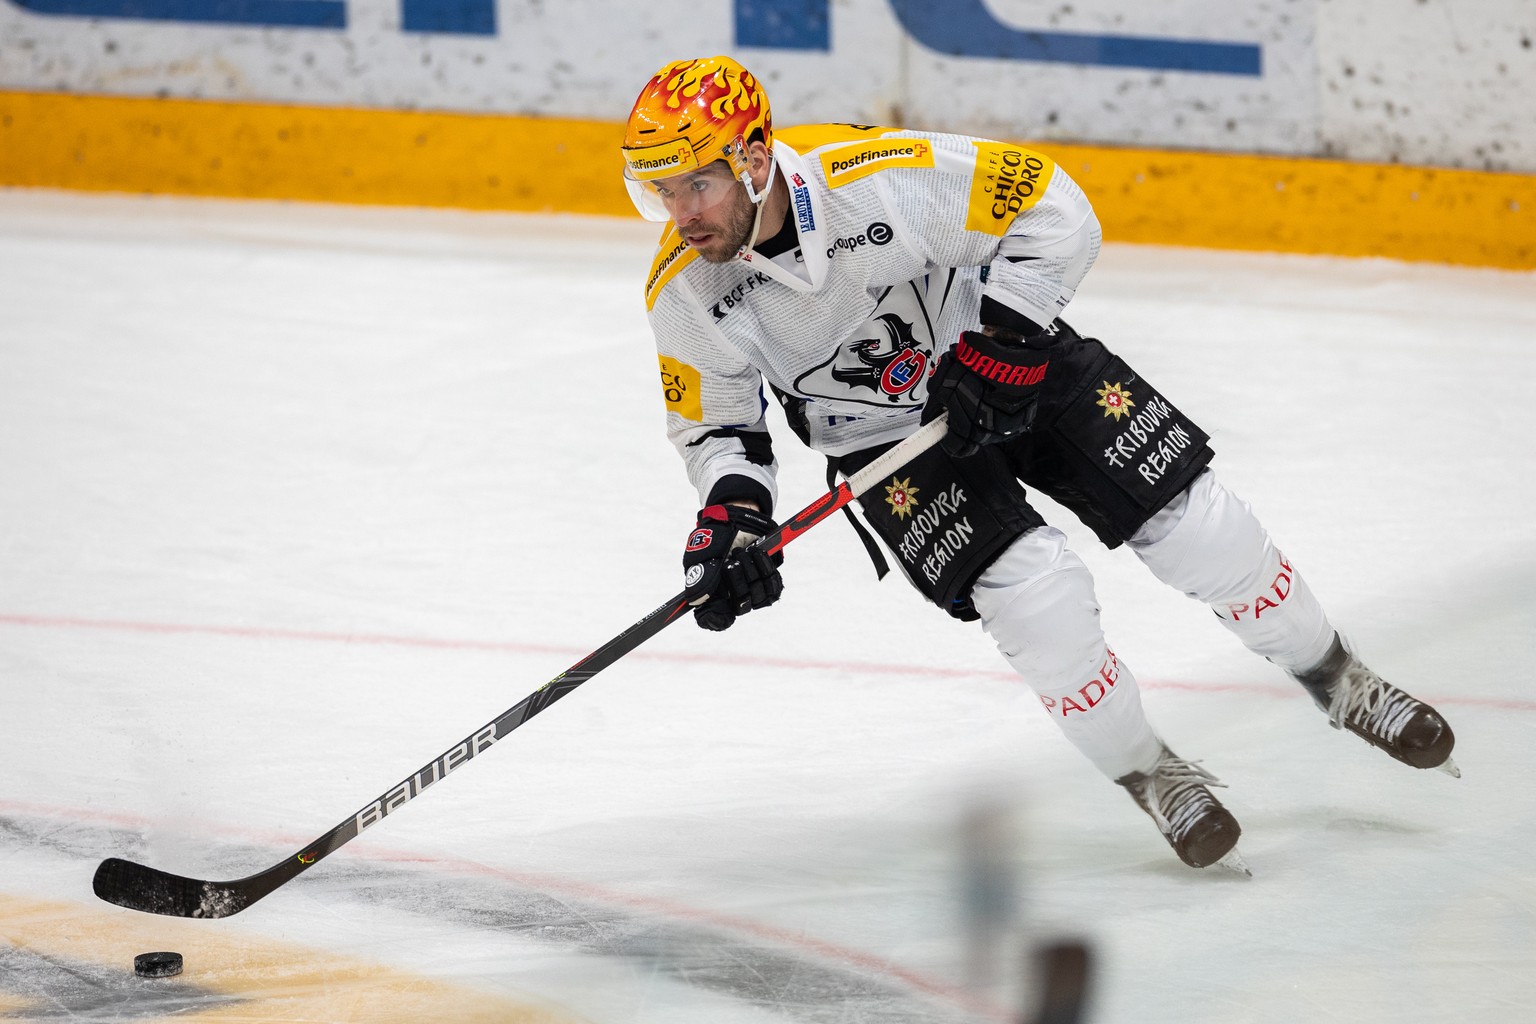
x=682 y=195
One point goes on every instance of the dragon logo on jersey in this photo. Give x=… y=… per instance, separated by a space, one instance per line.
x=888 y=363
x=885 y=361
x=901 y=496
x=1114 y=400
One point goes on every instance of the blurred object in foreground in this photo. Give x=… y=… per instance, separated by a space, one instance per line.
x=1060 y=973
x=990 y=896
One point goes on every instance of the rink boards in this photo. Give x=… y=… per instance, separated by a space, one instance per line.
x=485 y=161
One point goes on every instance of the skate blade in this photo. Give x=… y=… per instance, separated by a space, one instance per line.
x=1234 y=863
x=1449 y=767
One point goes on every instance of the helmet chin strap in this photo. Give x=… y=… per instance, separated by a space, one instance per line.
x=759 y=200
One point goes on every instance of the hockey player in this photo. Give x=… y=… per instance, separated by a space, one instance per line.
x=874 y=278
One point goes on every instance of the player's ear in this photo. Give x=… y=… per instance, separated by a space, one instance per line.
x=759 y=158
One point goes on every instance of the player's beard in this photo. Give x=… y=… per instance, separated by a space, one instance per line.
x=729 y=227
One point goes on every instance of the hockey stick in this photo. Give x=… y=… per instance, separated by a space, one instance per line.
x=139 y=887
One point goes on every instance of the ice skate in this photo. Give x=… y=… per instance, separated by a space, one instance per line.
x=1359 y=700
x=1176 y=794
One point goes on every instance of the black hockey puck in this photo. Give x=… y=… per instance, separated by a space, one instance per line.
x=157 y=965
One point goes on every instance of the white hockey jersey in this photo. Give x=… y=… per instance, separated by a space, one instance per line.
x=902 y=234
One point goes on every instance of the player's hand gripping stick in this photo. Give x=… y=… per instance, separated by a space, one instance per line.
x=990 y=387
x=725 y=575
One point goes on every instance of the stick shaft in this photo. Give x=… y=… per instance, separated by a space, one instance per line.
x=139 y=887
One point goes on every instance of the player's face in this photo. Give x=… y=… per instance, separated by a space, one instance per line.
x=711 y=210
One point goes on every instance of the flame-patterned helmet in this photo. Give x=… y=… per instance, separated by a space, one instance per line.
x=690 y=114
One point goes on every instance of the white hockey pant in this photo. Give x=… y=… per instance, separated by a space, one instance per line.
x=1036 y=601
x=1208 y=544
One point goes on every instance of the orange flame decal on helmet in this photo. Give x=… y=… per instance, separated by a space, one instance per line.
x=708 y=103
x=687 y=79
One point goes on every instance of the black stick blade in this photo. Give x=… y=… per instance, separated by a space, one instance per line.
x=158 y=892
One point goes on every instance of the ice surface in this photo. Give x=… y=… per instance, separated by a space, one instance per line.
x=293 y=498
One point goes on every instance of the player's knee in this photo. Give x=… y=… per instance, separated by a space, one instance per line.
x=1207 y=543
x=1036 y=600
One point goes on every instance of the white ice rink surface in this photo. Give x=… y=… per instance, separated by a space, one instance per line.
x=292 y=498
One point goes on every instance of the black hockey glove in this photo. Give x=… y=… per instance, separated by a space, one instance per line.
x=723 y=577
x=989 y=386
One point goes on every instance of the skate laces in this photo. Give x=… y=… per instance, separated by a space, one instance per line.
x=1175 y=794
x=1364 y=698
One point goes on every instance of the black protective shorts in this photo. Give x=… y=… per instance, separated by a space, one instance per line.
x=1106 y=444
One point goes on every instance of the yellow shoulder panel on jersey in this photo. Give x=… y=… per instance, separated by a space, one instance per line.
x=842 y=164
x=849 y=152
x=672 y=255
x=1007 y=181
x=803 y=138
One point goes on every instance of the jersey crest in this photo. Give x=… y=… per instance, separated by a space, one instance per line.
x=886 y=361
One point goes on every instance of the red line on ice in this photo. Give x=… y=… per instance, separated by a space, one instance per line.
x=855 y=667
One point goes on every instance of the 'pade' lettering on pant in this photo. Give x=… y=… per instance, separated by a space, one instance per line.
x=1091 y=694
x=1271 y=598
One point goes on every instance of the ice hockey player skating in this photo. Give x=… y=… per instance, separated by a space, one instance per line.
x=791 y=258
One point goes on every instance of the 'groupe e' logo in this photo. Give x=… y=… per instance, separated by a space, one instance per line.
x=878 y=233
